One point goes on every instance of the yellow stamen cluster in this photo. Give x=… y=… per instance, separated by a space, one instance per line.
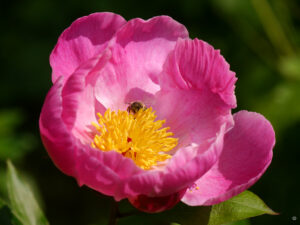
x=137 y=136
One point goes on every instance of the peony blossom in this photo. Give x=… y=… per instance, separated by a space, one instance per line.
x=182 y=144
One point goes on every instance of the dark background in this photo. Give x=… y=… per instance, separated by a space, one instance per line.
x=259 y=38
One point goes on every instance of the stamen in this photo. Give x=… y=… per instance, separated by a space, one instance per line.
x=137 y=136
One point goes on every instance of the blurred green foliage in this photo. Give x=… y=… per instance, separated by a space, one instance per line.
x=21 y=207
x=259 y=38
x=14 y=144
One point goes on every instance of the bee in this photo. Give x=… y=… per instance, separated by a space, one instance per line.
x=134 y=107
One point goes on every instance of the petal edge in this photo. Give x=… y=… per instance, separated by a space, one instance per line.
x=244 y=159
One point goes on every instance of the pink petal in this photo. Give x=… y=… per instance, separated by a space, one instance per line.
x=111 y=83
x=156 y=204
x=104 y=171
x=184 y=168
x=194 y=64
x=194 y=116
x=79 y=103
x=147 y=44
x=246 y=155
x=96 y=85
x=85 y=38
x=56 y=138
x=120 y=81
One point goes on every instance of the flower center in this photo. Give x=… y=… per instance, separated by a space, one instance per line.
x=135 y=135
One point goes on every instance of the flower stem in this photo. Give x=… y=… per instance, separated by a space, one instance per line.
x=114 y=213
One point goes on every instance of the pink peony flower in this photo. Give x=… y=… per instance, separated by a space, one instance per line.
x=183 y=144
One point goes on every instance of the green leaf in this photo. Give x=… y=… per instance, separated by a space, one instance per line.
x=240 y=207
x=22 y=201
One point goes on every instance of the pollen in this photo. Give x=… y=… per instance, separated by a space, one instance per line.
x=136 y=136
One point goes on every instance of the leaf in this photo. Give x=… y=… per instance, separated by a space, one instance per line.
x=240 y=207
x=22 y=201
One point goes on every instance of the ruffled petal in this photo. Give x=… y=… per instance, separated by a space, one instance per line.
x=58 y=141
x=104 y=171
x=246 y=155
x=147 y=44
x=85 y=38
x=139 y=51
x=194 y=64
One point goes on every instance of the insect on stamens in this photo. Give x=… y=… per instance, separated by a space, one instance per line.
x=134 y=107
